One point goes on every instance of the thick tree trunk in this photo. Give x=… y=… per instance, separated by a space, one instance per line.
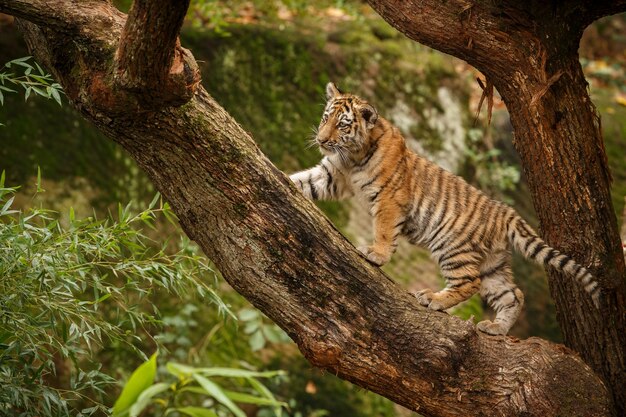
x=275 y=248
x=529 y=51
x=559 y=141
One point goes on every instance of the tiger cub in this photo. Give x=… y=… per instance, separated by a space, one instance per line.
x=468 y=234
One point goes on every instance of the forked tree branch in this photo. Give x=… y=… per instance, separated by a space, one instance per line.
x=275 y=248
x=150 y=61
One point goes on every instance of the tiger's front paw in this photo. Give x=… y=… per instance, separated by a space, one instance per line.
x=492 y=328
x=374 y=257
x=424 y=297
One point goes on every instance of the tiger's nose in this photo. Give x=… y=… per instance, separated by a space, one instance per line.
x=322 y=141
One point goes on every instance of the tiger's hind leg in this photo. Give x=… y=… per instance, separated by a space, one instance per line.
x=463 y=281
x=500 y=293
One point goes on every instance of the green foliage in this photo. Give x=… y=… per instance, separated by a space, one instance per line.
x=67 y=291
x=260 y=329
x=129 y=403
x=217 y=15
x=491 y=172
x=196 y=391
x=313 y=393
x=33 y=80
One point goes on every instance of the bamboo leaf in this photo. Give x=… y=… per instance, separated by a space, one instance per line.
x=139 y=381
x=197 y=412
x=39 y=188
x=241 y=397
x=216 y=392
x=145 y=397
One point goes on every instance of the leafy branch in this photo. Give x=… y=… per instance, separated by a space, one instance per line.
x=33 y=80
x=68 y=290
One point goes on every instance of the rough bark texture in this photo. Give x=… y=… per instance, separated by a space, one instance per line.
x=275 y=248
x=528 y=50
x=172 y=76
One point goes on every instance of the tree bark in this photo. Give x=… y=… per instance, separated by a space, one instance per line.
x=173 y=75
x=528 y=50
x=276 y=249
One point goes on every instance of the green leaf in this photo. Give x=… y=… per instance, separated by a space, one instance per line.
x=39 y=189
x=145 y=397
x=262 y=389
x=197 y=412
x=185 y=370
x=257 y=341
x=56 y=96
x=251 y=327
x=241 y=397
x=139 y=381
x=216 y=392
x=41 y=71
x=16 y=61
x=154 y=201
x=40 y=92
x=272 y=334
x=247 y=314
x=5 y=208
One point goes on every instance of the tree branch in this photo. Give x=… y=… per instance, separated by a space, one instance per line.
x=150 y=61
x=65 y=16
x=596 y=9
x=276 y=249
x=559 y=140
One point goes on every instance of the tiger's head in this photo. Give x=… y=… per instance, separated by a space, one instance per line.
x=346 y=124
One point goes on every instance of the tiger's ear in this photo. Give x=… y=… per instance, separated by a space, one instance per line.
x=369 y=114
x=332 y=91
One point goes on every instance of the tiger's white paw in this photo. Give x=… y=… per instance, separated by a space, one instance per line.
x=424 y=297
x=374 y=257
x=489 y=327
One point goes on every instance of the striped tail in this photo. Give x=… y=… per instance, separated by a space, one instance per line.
x=525 y=240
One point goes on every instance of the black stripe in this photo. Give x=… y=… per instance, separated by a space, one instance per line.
x=329 y=179
x=370 y=182
x=529 y=242
x=371 y=151
x=436 y=232
x=445 y=238
x=451 y=266
x=540 y=246
x=551 y=255
x=466 y=277
x=499 y=296
x=563 y=261
x=393 y=176
x=313 y=190
x=578 y=268
x=460 y=284
x=454 y=252
x=493 y=269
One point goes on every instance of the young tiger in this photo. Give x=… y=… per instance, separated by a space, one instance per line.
x=468 y=234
